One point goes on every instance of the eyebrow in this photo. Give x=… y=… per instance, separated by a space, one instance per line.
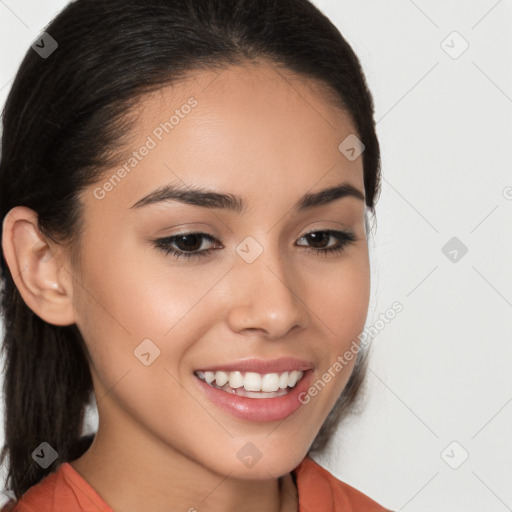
x=210 y=199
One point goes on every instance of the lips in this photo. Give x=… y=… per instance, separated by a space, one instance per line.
x=294 y=376
x=262 y=366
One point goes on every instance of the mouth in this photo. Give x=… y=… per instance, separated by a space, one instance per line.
x=252 y=384
x=257 y=390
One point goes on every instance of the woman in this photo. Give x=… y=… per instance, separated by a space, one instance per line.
x=132 y=130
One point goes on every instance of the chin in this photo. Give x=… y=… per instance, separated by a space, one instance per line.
x=253 y=463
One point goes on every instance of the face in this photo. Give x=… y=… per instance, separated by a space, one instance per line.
x=263 y=289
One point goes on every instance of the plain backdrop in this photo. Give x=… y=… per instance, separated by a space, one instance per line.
x=434 y=433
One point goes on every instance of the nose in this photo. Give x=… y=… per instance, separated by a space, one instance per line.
x=269 y=296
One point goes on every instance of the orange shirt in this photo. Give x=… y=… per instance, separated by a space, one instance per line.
x=65 y=490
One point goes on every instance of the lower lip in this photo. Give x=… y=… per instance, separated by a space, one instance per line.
x=258 y=409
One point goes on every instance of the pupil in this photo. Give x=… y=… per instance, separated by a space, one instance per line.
x=316 y=236
x=194 y=246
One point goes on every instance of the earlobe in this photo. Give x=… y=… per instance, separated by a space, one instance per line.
x=35 y=268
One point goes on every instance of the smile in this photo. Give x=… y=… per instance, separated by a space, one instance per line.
x=252 y=384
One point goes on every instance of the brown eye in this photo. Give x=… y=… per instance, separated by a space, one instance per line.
x=188 y=244
x=320 y=238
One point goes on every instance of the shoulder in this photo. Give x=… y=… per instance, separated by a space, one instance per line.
x=318 y=488
x=38 y=497
x=63 y=489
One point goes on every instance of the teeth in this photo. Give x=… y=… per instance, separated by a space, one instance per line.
x=251 y=381
x=221 y=378
x=292 y=379
x=270 y=382
x=236 y=380
x=283 y=380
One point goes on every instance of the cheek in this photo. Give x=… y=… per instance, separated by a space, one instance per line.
x=135 y=309
x=342 y=309
x=133 y=295
x=340 y=298
x=131 y=314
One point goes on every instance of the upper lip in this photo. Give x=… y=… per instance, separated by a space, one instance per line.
x=262 y=366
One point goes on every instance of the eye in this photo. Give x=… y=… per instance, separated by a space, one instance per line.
x=343 y=238
x=188 y=244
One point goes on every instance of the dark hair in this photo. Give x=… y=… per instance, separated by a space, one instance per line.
x=64 y=118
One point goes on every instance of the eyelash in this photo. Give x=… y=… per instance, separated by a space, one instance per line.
x=344 y=238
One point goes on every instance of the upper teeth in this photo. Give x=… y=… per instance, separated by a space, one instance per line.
x=252 y=381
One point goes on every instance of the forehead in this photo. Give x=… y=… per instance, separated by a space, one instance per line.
x=236 y=129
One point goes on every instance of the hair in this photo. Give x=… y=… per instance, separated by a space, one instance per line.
x=64 y=119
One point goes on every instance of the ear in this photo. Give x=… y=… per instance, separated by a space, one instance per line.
x=43 y=282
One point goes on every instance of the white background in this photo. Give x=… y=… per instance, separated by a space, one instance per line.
x=440 y=371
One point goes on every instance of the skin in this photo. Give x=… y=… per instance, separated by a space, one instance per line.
x=270 y=138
